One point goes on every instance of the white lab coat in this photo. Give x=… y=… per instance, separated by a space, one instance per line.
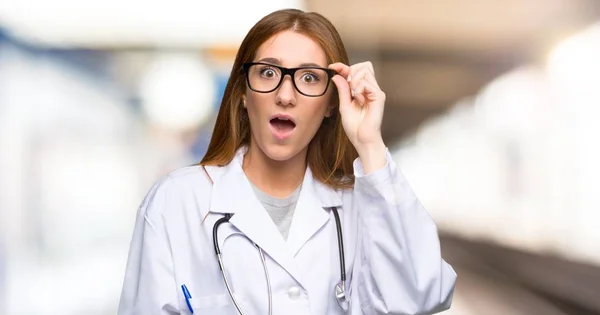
x=392 y=250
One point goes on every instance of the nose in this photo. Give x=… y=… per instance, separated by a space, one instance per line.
x=286 y=93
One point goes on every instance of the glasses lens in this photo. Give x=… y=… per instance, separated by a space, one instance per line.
x=263 y=78
x=309 y=81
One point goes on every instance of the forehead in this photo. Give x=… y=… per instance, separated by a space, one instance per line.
x=292 y=49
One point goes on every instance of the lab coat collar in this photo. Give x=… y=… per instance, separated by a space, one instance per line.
x=312 y=211
x=232 y=193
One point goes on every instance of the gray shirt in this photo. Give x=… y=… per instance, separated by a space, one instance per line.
x=281 y=210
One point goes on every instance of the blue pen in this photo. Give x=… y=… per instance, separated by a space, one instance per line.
x=187 y=296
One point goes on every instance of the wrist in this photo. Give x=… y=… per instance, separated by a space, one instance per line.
x=372 y=156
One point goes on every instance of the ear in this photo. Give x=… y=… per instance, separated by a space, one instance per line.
x=244 y=101
x=329 y=111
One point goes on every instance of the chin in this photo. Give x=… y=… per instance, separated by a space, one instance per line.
x=281 y=152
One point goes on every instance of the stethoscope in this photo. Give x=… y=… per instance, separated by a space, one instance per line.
x=340 y=288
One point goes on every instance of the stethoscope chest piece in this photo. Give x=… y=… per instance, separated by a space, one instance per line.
x=340 y=296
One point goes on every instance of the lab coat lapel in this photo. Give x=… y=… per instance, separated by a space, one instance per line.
x=312 y=211
x=232 y=193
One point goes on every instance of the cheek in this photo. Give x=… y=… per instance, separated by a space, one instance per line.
x=320 y=109
x=316 y=113
x=253 y=107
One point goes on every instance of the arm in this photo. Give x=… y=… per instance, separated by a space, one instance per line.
x=149 y=286
x=398 y=266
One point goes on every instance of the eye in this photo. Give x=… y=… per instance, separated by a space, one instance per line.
x=268 y=72
x=309 y=78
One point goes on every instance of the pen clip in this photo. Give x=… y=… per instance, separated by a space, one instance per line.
x=188 y=296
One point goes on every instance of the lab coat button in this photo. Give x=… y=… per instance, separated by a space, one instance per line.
x=294 y=293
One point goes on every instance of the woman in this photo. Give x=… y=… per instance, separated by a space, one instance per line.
x=291 y=155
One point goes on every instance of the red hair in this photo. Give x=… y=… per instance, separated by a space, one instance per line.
x=330 y=153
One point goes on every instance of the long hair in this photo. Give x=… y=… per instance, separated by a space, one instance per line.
x=330 y=153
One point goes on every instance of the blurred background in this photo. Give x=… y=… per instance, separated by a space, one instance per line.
x=492 y=114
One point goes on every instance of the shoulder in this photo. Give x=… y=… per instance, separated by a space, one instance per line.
x=184 y=178
x=188 y=175
x=175 y=187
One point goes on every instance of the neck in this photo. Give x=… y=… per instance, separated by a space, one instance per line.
x=276 y=178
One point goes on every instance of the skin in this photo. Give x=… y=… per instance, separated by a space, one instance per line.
x=277 y=167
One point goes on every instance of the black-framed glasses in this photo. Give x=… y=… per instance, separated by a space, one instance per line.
x=309 y=81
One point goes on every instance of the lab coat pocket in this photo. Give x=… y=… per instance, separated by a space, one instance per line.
x=210 y=304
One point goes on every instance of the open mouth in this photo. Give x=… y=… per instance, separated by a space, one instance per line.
x=282 y=124
x=282 y=127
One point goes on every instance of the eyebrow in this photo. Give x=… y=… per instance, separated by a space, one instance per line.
x=277 y=62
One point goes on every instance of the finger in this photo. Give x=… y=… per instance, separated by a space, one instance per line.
x=369 y=66
x=341 y=69
x=366 y=91
x=359 y=97
x=362 y=74
x=357 y=74
x=343 y=91
x=364 y=65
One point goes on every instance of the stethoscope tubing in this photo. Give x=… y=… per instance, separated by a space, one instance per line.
x=226 y=218
x=340 y=237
